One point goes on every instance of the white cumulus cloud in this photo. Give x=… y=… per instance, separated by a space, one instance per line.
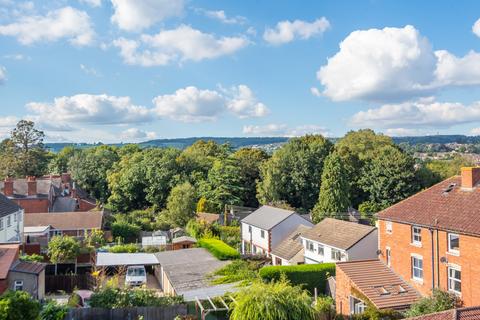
x=221 y=16
x=476 y=28
x=64 y=23
x=3 y=75
x=137 y=15
x=392 y=65
x=92 y=3
x=89 y=109
x=133 y=134
x=287 y=31
x=275 y=129
x=244 y=104
x=181 y=44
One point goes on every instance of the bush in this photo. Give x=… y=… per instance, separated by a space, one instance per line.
x=230 y=235
x=18 y=305
x=110 y=297
x=439 y=301
x=124 y=248
x=127 y=231
x=53 y=311
x=32 y=257
x=219 y=249
x=309 y=275
x=271 y=301
x=238 y=270
x=324 y=305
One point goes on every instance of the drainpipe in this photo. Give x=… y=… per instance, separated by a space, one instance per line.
x=433 y=260
x=438 y=262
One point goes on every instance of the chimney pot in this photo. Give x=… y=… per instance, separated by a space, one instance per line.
x=470 y=177
x=8 y=187
x=31 y=185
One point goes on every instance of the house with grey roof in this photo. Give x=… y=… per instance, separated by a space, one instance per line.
x=267 y=227
x=11 y=221
x=290 y=250
x=334 y=240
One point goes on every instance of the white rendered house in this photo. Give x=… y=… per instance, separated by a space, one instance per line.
x=11 y=221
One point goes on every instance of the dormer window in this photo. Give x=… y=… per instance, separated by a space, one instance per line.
x=416 y=235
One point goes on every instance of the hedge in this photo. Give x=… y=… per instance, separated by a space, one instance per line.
x=309 y=275
x=219 y=249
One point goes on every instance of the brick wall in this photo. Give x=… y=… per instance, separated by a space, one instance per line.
x=342 y=292
x=33 y=205
x=401 y=248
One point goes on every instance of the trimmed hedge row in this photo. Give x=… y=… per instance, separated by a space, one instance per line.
x=219 y=249
x=309 y=275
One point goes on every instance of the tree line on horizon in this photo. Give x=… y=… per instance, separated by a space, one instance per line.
x=363 y=170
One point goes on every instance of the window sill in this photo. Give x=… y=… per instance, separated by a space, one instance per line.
x=453 y=253
x=419 y=281
x=458 y=294
x=415 y=244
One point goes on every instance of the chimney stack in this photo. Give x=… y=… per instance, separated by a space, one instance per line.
x=8 y=187
x=31 y=186
x=470 y=177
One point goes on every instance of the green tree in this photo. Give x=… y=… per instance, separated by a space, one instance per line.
x=223 y=185
x=356 y=148
x=334 y=190
x=181 y=205
x=59 y=162
x=31 y=156
x=8 y=159
x=89 y=169
x=125 y=230
x=95 y=238
x=438 y=301
x=389 y=177
x=18 y=305
x=272 y=301
x=63 y=249
x=249 y=161
x=294 y=172
x=443 y=169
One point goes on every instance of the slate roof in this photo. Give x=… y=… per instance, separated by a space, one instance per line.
x=291 y=245
x=470 y=313
x=383 y=287
x=267 y=217
x=454 y=210
x=7 y=206
x=338 y=233
x=8 y=255
x=125 y=259
x=28 y=267
x=65 y=220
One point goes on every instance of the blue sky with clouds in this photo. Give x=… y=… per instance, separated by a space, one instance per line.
x=124 y=70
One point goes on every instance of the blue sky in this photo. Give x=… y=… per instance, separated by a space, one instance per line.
x=123 y=70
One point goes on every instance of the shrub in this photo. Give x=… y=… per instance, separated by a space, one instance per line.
x=271 y=301
x=230 y=235
x=18 y=305
x=53 y=311
x=238 y=270
x=324 y=305
x=124 y=248
x=219 y=249
x=110 y=297
x=63 y=248
x=32 y=257
x=309 y=275
x=127 y=231
x=439 y=301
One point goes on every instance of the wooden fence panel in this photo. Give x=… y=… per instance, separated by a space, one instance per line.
x=148 y=313
x=68 y=283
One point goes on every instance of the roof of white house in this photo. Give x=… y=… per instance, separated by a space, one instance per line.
x=37 y=230
x=7 y=206
x=106 y=259
x=267 y=217
x=291 y=245
x=338 y=233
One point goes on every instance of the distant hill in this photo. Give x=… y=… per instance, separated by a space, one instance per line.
x=454 y=138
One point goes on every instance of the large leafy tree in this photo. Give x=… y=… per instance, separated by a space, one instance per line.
x=389 y=177
x=272 y=301
x=8 y=159
x=89 y=168
x=334 y=191
x=62 y=249
x=223 y=185
x=249 y=161
x=294 y=172
x=59 y=162
x=181 y=205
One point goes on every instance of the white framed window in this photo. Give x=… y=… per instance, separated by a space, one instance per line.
x=454 y=279
x=1 y=223
x=262 y=234
x=388 y=227
x=18 y=285
x=388 y=256
x=9 y=221
x=417 y=268
x=310 y=246
x=336 y=255
x=321 y=250
x=453 y=242
x=416 y=235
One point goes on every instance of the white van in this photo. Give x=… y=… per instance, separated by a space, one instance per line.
x=136 y=276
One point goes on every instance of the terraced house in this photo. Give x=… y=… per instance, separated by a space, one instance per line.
x=432 y=239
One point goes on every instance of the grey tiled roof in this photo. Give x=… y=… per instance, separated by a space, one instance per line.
x=291 y=246
x=7 y=206
x=267 y=217
x=338 y=233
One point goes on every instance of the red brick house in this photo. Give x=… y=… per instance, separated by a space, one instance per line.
x=54 y=193
x=432 y=239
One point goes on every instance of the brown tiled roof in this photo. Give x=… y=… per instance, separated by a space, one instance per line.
x=208 y=217
x=338 y=233
x=291 y=245
x=8 y=255
x=454 y=210
x=28 y=267
x=470 y=313
x=65 y=220
x=380 y=284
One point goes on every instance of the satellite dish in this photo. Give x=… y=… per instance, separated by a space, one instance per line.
x=379 y=252
x=443 y=260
